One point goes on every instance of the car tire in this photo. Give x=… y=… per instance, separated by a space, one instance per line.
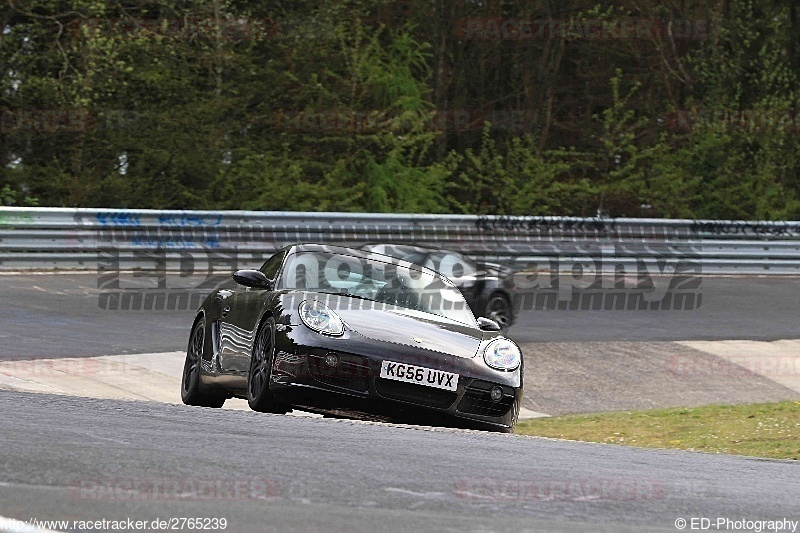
x=510 y=429
x=259 y=397
x=191 y=390
x=498 y=308
x=513 y=421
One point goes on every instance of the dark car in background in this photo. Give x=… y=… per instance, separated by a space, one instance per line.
x=487 y=287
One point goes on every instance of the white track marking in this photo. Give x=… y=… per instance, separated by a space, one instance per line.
x=428 y=495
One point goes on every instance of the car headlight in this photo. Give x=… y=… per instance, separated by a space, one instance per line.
x=502 y=354
x=320 y=318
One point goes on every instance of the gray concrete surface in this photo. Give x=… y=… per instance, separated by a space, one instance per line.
x=560 y=378
x=577 y=361
x=76 y=458
x=589 y=377
x=58 y=315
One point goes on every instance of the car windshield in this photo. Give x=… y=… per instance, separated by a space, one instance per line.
x=376 y=278
x=451 y=265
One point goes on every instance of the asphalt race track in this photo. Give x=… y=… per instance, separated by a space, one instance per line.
x=58 y=315
x=74 y=458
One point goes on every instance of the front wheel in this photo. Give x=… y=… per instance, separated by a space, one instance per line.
x=513 y=426
x=513 y=421
x=259 y=397
x=498 y=308
x=191 y=393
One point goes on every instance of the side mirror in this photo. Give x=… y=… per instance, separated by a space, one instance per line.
x=487 y=324
x=253 y=278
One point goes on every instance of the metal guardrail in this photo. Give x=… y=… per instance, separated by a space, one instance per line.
x=199 y=241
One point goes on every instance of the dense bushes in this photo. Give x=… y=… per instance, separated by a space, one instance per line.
x=420 y=106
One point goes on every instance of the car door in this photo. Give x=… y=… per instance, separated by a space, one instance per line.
x=240 y=315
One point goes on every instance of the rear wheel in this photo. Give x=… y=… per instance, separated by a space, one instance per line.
x=498 y=308
x=191 y=393
x=259 y=397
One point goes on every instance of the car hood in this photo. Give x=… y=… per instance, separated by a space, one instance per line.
x=399 y=325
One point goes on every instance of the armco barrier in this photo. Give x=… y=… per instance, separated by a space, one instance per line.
x=199 y=241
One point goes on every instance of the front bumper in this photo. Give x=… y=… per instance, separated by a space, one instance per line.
x=301 y=376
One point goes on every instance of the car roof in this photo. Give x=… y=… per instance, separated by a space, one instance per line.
x=315 y=247
x=404 y=248
x=354 y=252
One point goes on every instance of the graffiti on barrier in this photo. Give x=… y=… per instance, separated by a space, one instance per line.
x=165 y=219
x=187 y=219
x=16 y=218
x=118 y=218
x=772 y=229
x=159 y=244
x=486 y=223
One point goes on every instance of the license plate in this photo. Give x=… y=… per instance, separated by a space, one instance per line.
x=419 y=375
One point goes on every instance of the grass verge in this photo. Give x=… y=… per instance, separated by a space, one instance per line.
x=760 y=430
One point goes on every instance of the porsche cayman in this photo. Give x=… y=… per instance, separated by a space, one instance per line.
x=337 y=330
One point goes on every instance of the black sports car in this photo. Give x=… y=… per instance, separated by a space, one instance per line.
x=488 y=287
x=337 y=330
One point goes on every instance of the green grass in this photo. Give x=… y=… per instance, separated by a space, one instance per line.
x=760 y=430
